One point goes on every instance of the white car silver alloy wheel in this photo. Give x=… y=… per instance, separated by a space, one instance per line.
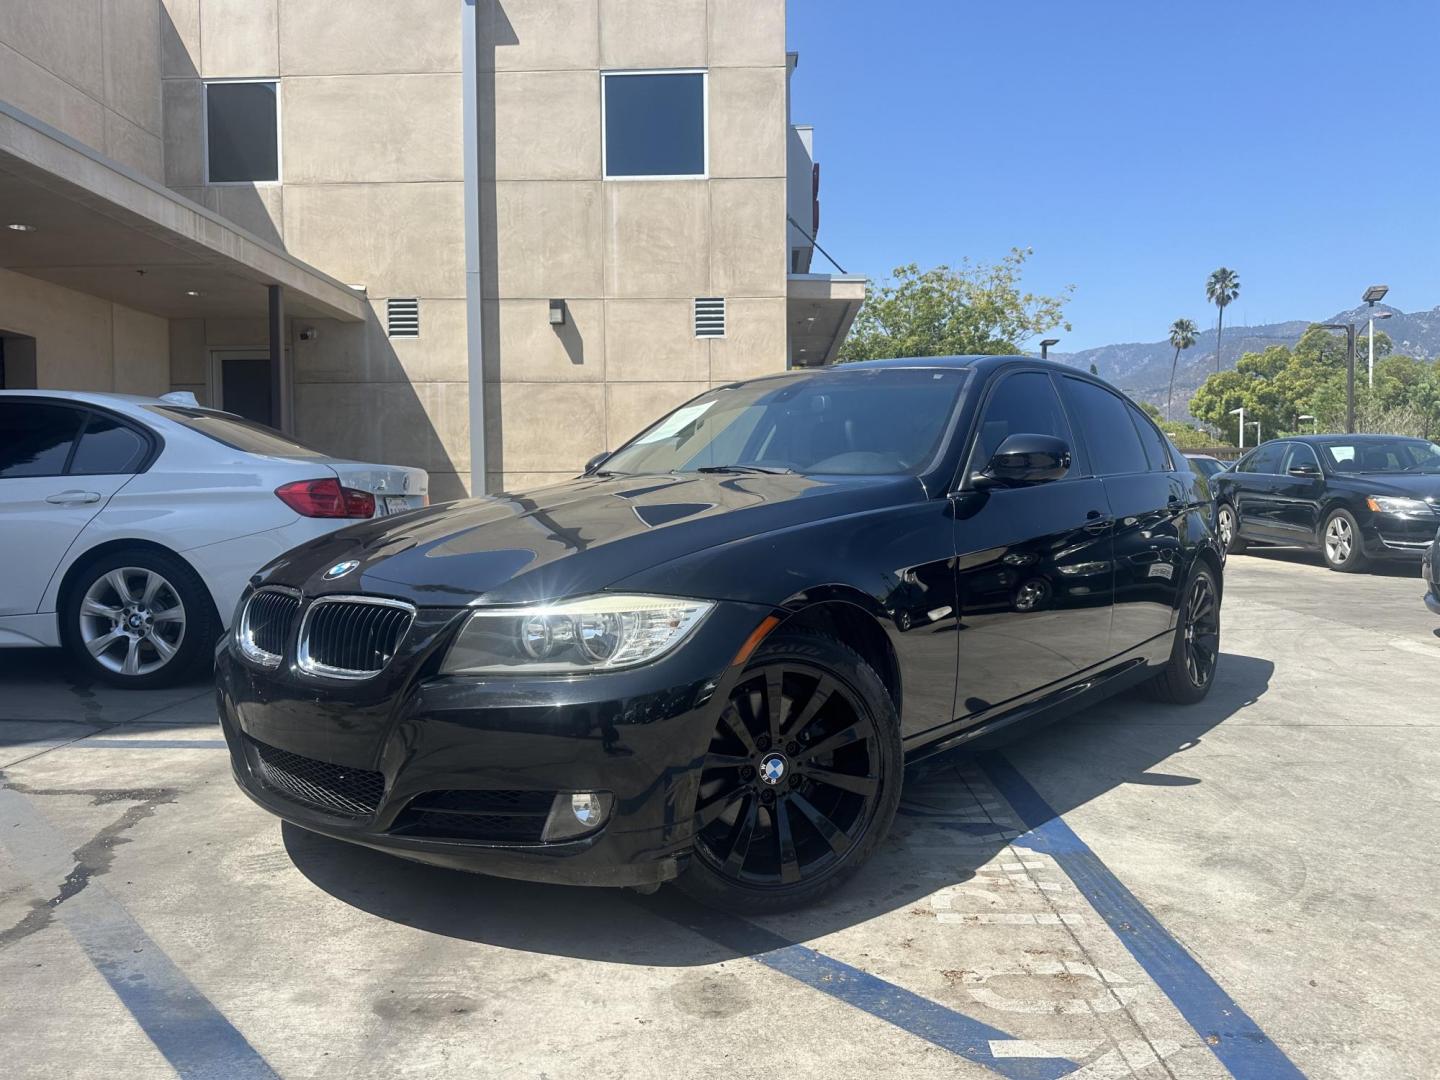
x=1339 y=539
x=132 y=620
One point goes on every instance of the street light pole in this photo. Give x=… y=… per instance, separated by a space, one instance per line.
x=1372 y=296
x=1045 y=347
x=1314 y=424
x=1240 y=412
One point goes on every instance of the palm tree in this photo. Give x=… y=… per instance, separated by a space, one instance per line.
x=1221 y=288
x=1182 y=335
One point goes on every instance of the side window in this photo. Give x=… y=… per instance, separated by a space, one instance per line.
x=1299 y=453
x=108 y=447
x=1155 y=450
x=1104 y=420
x=1022 y=404
x=1266 y=458
x=35 y=439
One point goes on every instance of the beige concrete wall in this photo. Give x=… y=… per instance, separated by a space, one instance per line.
x=370 y=192
x=628 y=257
x=90 y=68
x=83 y=342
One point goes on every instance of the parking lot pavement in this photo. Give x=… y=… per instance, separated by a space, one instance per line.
x=1244 y=887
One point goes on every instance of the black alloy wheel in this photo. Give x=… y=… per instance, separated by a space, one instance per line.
x=800 y=781
x=1188 y=675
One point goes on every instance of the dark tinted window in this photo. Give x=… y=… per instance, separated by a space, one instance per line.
x=1104 y=421
x=1265 y=459
x=655 y=124
x=1150 y=439
x=1205 y=466
x=236 y=432
x=108 y=446
x=35 y=439
x=1023 y=404
x=241 y=132
x=1299 y=453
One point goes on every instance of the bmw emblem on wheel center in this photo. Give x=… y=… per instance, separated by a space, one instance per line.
x=772 y=769
x=340 y=569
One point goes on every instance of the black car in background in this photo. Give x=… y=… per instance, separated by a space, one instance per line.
x=1353 y=498
x=709 y=657
x=1205 y=465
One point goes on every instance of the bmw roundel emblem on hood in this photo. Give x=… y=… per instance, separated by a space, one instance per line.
x=340 y=569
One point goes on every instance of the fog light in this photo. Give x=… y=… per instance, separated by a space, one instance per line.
x=577 y=813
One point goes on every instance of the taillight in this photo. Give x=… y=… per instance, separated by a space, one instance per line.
x=326 y=499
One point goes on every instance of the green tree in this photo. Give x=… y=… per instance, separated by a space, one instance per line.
x=1182 y=336
x=1094 y=368
x=1221 y=289
x=945 y=311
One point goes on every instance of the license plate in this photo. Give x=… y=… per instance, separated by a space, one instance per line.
x=395 y=504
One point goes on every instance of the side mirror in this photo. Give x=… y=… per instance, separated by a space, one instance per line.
x=594 y=462
x=1307 y=469
x=1022 y=460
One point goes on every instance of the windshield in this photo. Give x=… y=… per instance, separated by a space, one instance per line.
x=236 y=432
x=862 y=422
x=1381 y=455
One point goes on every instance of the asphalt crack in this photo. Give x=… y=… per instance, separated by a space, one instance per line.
x=95 y=856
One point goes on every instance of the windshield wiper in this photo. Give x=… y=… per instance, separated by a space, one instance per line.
x=744 y=469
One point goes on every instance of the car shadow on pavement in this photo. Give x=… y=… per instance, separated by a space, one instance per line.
x=1396 y=568
x=1070 y=762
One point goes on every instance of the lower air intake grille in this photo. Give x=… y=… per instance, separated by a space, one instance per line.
x=336 y=789
x=497 y=817
x=352 y=637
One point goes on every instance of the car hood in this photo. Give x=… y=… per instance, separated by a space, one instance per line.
x=572 y=538
x=1413 y=485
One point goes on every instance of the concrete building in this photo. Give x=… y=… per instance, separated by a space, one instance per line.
x=491 y=238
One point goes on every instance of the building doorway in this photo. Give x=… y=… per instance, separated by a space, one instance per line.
x=17 y=361
x=240 y=383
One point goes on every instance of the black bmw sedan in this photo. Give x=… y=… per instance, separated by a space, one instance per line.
x=1352 y=498
x=709 y=657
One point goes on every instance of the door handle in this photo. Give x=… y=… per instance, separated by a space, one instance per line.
x=1097 y=522
x=72 y=498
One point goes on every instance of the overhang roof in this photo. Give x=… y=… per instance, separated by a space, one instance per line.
x=103 y=229
x=819 y=310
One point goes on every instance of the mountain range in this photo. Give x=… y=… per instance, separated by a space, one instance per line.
x=1142 y=369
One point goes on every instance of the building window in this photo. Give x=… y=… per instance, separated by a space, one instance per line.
x=654 y=124
x=242 y=132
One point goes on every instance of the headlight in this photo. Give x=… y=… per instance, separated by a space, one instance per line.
x=1394 y=504
x=595 y=633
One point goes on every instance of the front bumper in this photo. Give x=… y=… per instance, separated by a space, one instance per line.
x=354 y=761
x=1397 y=536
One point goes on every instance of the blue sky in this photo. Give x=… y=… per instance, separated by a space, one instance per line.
x=1135 y=146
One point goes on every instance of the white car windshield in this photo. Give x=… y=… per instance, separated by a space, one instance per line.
x=868 y=421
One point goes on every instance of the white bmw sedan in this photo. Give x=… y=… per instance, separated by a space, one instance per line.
x=129 y=525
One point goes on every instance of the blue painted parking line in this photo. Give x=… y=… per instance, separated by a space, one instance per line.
x=921 y=1017
x=1246 y=1051
x=192 y=1034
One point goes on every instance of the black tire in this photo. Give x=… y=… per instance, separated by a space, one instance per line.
x=165 y=650
x=1227 y=528
x=782 y=823
x=1340 y=543
x=1190 y=672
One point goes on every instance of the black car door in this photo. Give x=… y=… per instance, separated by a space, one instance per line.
x=1146 y=501
x=1033 y=564
x=1256 y=479
x=1299 y=493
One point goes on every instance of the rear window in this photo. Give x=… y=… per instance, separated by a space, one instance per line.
x=236 y=432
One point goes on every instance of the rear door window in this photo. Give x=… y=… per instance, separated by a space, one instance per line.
x=108 y=448
x=1266 y=459
x=36 y=439
x=1104 y=420
x=1299 y=453
x=1155 y=450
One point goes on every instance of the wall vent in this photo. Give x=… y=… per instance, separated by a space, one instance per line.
x=709 y=316
x=402 y=317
